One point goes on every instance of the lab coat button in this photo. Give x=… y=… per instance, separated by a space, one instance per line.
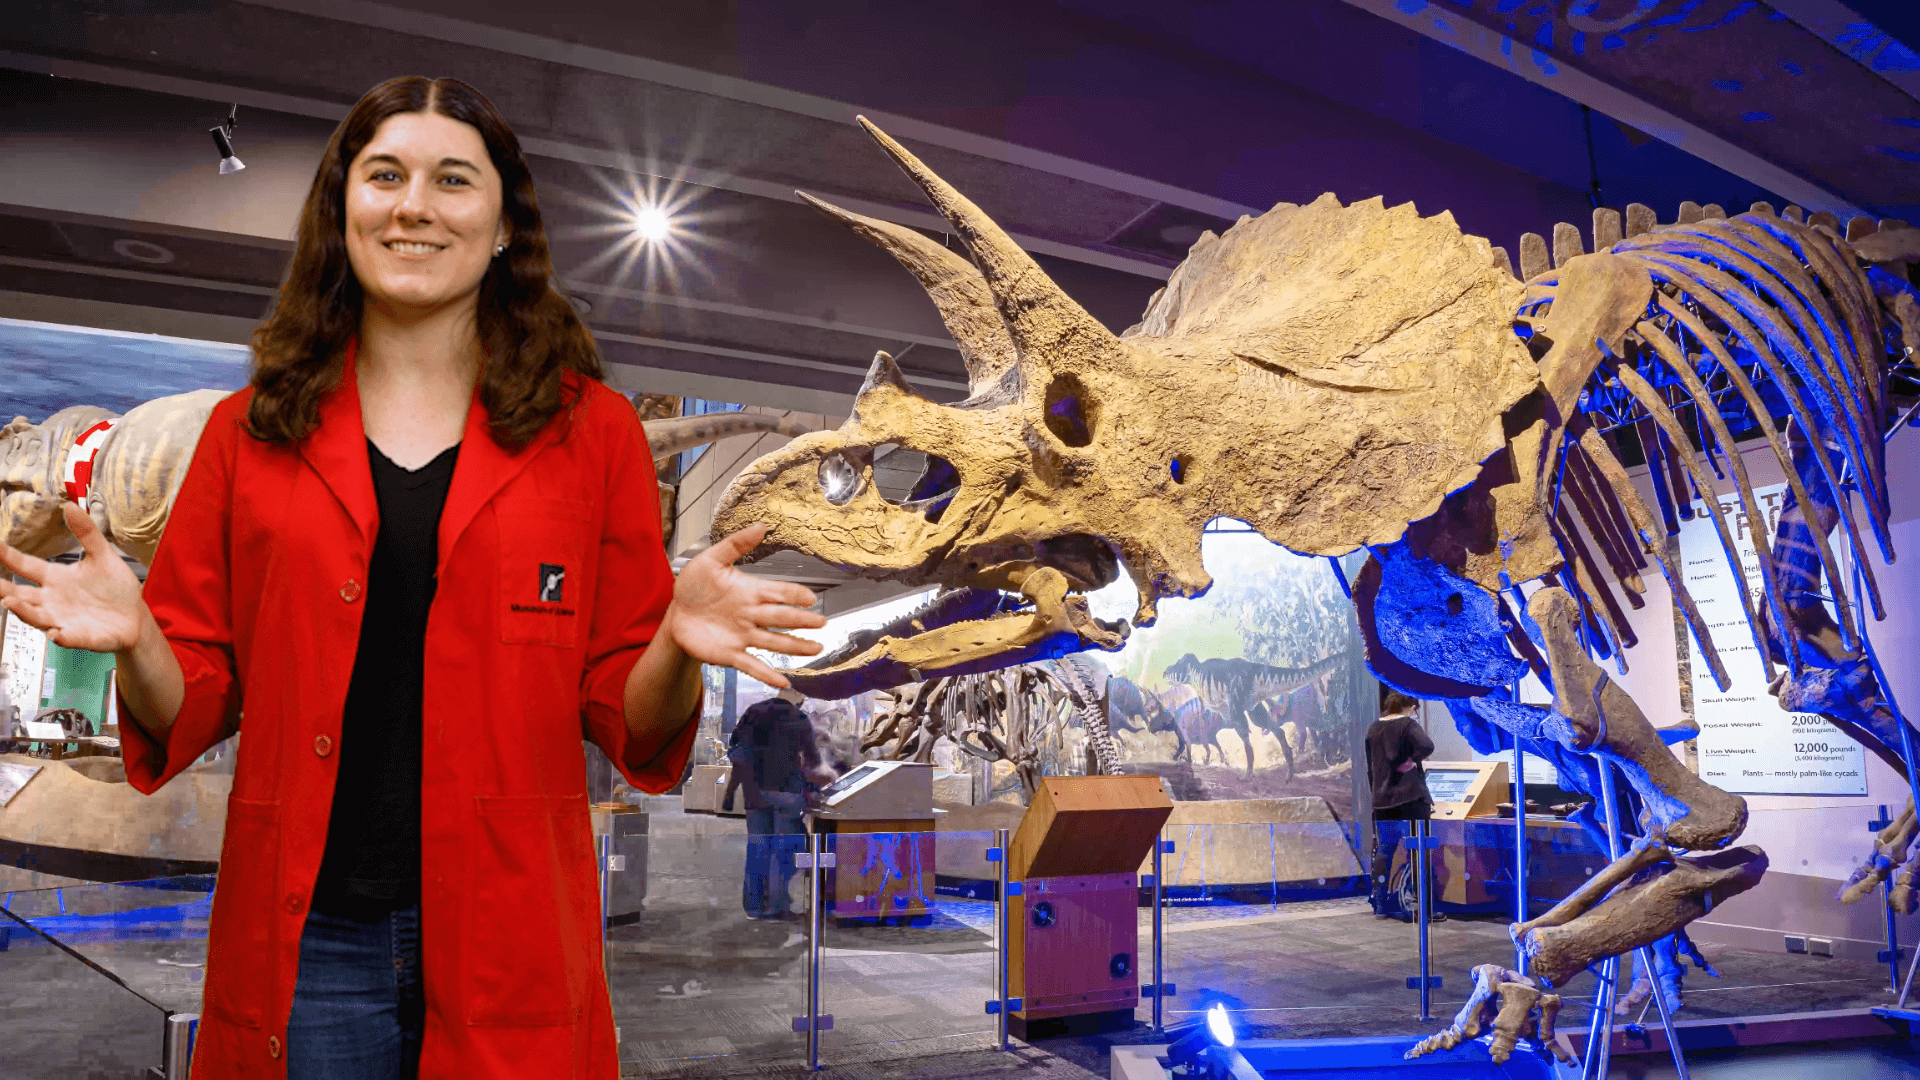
x=350 y=591
x=322 y=745
x=293 y=903
x=273 y=1046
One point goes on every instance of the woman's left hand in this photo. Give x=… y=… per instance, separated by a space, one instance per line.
x=719 y=612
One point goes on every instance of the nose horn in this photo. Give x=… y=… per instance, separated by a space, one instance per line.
x=1042 y=319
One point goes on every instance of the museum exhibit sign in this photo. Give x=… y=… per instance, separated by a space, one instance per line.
x=1748 y=743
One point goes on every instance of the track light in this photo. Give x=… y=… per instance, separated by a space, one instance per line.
x=651 y=223
x=1193 y=1040
x=223 y=141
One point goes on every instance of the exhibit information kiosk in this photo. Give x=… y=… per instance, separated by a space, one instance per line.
x=1073 y=932
x=881 y=818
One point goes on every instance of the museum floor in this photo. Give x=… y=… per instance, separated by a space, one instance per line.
x=701 y=991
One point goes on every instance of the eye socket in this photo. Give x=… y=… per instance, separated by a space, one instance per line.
x=839 y=479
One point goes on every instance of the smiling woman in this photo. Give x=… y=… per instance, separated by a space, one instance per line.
x=430 y=166
x=420 y=554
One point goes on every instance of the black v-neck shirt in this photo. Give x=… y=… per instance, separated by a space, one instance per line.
x=372 y=860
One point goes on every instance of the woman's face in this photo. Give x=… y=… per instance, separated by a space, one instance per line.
x=423 y=213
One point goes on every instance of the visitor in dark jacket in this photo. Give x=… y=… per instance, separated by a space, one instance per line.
x=1396 y=745
x=775 y=757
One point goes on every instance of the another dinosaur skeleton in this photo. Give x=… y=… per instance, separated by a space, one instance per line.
x=1005 y=715
x=137 y=471
x=1339 y=376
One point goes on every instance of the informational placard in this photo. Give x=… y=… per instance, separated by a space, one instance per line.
x=23 y=658
x=14 y=776
x=1748 y=744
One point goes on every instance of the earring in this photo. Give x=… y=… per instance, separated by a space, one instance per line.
x=499 y=250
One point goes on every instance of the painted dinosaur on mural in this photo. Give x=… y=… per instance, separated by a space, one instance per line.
x=1008 y=715
x=1339 y=376
x=1247 y=692
x=130 y=467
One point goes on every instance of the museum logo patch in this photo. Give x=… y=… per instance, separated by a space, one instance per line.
x=553 y=580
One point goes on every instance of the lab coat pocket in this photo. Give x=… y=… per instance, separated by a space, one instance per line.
x=533 y=915
x=240 y=975
x=544 y=547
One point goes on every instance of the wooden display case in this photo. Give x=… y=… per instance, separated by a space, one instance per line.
x=1073 y=935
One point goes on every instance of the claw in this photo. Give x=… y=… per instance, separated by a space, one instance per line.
x=1510 y=1001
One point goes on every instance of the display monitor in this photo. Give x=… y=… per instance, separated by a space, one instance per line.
x=1451 y=785
x=848 y=781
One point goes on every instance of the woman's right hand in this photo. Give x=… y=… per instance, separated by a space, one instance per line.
x=93 y=604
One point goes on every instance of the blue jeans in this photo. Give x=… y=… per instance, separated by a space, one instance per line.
x=774 y=837
x=358 y=1005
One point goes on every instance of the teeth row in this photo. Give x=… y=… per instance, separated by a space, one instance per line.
x=406 y=248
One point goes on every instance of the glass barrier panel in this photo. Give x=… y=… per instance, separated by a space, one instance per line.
x=908 y=960
x=65 y=1016
x=1787 y=944
x=1272 y=920
x=152 y=935
x=711 y=964
x=1790 y=944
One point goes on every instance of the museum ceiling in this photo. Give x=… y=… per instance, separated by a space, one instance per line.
x=1105 y=135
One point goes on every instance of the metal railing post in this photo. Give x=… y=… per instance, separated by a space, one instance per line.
x=1003 y=942
x=816 y=908
x=605 y=843
x=1519 y=844
x=1893 y=936
x=1423 y=916
x=176 y=1044
x=1159 y=978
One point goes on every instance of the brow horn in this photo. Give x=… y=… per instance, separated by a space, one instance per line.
x=957 y=290
x=1042 y=320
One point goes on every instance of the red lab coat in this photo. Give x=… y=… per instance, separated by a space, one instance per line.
x=257 y=586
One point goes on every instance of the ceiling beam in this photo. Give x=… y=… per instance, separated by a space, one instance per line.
x=560 y=150
x=1855 y=36
x=516 y=43
x=1444 y=24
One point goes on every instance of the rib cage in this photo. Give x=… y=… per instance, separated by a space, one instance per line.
x=1742 y=308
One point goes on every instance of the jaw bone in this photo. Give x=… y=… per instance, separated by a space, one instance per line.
x=1058 y=623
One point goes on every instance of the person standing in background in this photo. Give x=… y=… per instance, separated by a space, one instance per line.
x=1396 y=745
x=775 y=757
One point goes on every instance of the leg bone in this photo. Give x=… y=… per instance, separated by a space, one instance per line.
x=1656 y=902
x=1687 y=812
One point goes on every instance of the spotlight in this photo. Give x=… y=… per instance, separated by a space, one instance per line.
x=1189 y=1054
x=650 y=223
x=223 y=142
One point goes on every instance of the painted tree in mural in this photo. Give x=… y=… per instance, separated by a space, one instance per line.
x=1340 y=376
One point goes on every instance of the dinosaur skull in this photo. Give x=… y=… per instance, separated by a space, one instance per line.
x=1079 y=452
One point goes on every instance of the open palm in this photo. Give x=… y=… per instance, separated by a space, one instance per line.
x=93 y=604
x=719 y=612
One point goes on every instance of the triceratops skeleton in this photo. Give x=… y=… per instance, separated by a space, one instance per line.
x=1339 y=376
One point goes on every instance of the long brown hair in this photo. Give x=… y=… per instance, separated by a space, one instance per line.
x=528 y=331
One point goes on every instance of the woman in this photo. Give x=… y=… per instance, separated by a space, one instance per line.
x=422 y=552
x=1396 y=745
